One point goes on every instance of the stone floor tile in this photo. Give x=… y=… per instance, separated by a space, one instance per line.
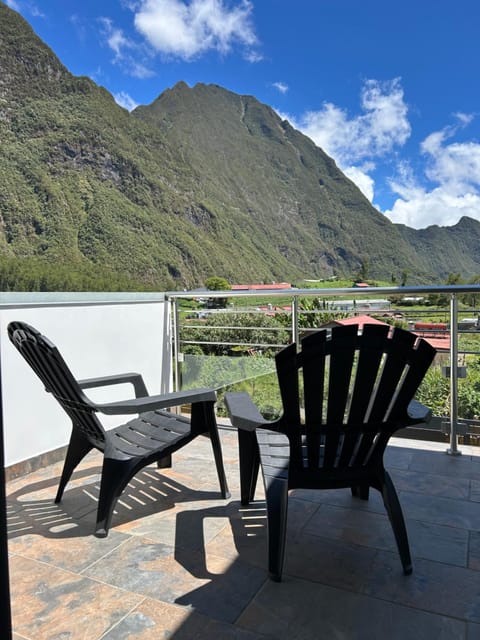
x=475 y=489
x=438 y=542
x=342 y=498
x=222 y=631
x=211 y=585
x=445 y=511
x=49 y=603
x=434 y=587
x=398 y=457
x=231 y=586
x=301 y=610
x=431 y=484
x=196 y=528
x=439 y=463
x=474 y=551
x=154 y=620
x=248 y=548
x=473 y=631
x=336 y=563
x=73 y=549
x=359 y=527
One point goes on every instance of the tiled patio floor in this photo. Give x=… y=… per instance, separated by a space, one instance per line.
x=181 y=563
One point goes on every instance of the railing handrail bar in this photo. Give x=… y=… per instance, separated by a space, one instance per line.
x=63 y=303
x=325 y=293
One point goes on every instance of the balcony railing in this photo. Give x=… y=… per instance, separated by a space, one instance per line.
x=343 y=301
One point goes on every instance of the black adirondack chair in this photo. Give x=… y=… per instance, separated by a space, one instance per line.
x=151 y=437
x=357 y=390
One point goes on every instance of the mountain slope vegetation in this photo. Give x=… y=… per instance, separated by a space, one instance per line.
x=201 y=182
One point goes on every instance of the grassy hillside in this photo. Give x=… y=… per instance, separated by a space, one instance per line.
x=201 y=182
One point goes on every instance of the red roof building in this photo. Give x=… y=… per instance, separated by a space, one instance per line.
x=439 y=341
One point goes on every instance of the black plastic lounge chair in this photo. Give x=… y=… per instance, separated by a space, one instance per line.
x=151 y=437
x=357 y=391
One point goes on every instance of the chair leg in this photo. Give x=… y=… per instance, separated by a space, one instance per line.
x=361 y=491
x=249 y=462
x=165 y=462
x=276 y=492
x=217 y=448
x=203 y=421
x=115 y=476
x=395 y=514
x=78 y=448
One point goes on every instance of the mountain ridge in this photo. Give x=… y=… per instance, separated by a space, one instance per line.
x=200 y=182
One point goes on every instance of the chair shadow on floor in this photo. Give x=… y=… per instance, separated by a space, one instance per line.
x=232 y=562
x=151 y=491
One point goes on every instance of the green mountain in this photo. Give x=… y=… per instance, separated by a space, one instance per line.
x=445 y=250
x=201 y=182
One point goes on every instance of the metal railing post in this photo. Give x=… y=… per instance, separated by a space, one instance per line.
x=176 y=345
x=453 y=449
x=295 y=328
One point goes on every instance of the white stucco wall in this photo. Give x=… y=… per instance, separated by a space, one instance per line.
x=95 y=340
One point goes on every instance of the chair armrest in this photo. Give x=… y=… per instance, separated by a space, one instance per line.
x=150 y=403
x=243 y=413
x=418 y=412
x=121 y=378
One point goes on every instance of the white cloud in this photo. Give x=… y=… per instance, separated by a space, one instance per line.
x=456 y=164
x=360 y=177
x=454 y=169
x=127 y=52
x=281 y=86
x=115 y=38
x=187 y=29
x=13 y=5
x=439 y=206
x=382 y=126
x=446 y=187
x=353 y=142
x=138 y=70
x=125 y=101
x=36 y=12
x=25 y=8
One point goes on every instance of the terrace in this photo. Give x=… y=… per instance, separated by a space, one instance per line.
x=180 y=562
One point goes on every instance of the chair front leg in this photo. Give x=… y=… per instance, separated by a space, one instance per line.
x=211 y=425
x=249 y=461
x=165 y=462
x=276 y=493
x=395 y=514
x=115 y=476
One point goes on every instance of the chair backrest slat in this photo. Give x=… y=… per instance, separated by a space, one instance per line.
x=397 y=358
x=340 y=374
x=369 y=361
x=313 y=363
x=48 y=364
x=287 y=369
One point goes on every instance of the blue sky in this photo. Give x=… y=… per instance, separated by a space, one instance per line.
x=390 y=89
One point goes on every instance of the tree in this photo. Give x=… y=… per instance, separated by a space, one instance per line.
x=364 y=269
x=216 y=283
